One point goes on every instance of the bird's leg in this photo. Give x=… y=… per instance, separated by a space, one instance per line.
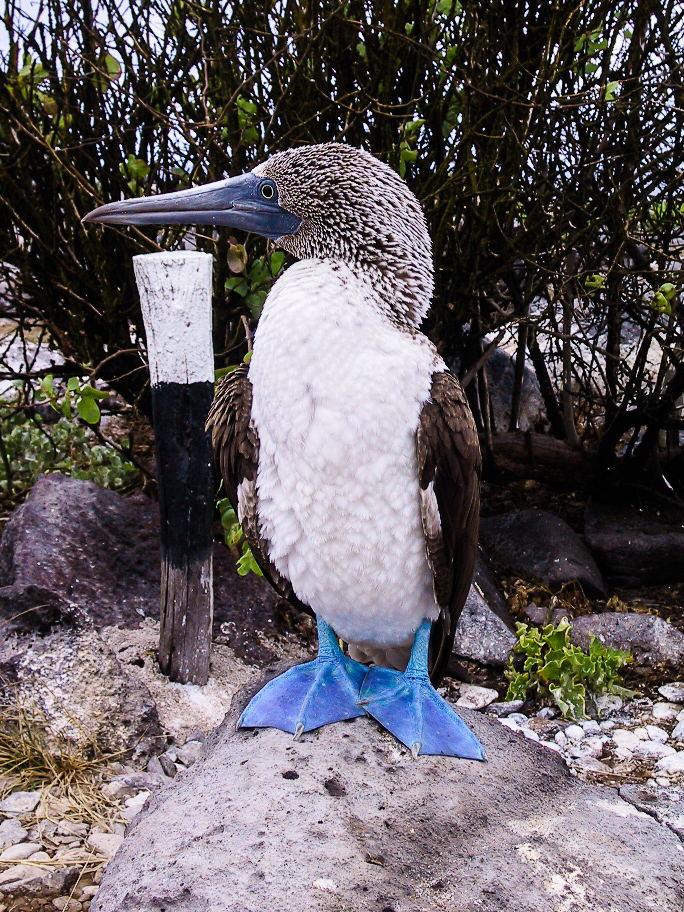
x=308 y=696
x=410 y=708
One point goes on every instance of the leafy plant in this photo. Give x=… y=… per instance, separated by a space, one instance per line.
x=555 y=668
x=31 y=447
x=235 y=539
x=254 y=279
x=81 y=397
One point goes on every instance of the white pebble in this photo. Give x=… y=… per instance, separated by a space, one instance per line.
x=607 y=726
x=325 y=886
x=642 y=734
x=653 y=750
x=510 y=723
x=607 y=704
x=19 y=851
x=574 y=732
x=678 y=731
x=473 y=697
x=560 y=739
x=673 y=691
x=665 y=712
x=530 y=734
x=662 y=780
x=625 y=738
x=551 y=746
x=672 y=764
x=657 y=734
x=591 y=727
x=519 y=718
x=548 y=712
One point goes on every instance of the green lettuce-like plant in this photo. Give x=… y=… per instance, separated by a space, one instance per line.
x=235 y=539
x=554 y=668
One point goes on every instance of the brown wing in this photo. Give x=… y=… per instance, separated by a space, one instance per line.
x=449 y=467
x=236 y=453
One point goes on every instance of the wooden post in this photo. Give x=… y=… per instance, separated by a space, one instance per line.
x=175 y=295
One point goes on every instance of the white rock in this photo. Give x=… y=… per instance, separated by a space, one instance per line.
x=592 y=765
x=510 y=723
x=20 y=803
x=591 y=727
x=678 y=731
x=594 y=745
x=134 y=805
x=39 y=856
x=680 y=716
x=625 y=738
x=623 y=753
x=551 y=746
x=672 y=764
x=665 y=712
x=548 y=712
x=607 y=726
x=11 y=832
x=663 y=780
x=653 y=750
x=607 y=704
x=192 y=750
x=20 y=851
x=657 y=734
x=519 y=718
x=472 y=697
x=673 y=691
x=560 y=739
x=325 y=886
x=104 y=843
x=530 y=734
x=641 y=733
x=574 y=732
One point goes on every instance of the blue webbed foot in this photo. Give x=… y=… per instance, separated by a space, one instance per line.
x=409 y=707
x=310 y=695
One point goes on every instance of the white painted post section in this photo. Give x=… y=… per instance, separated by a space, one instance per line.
x=175 y=296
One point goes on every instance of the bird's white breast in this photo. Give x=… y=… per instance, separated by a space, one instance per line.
x=337 y=394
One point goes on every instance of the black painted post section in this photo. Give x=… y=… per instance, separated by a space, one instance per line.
x=175 y=295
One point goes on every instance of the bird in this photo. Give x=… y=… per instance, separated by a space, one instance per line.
x=346 y=446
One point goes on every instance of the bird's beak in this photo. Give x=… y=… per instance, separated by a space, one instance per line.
x=236 y=202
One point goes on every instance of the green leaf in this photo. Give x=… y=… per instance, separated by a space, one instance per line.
x=111 y=66
x=247 y=564
x=222 y=371
x=89 y=410
x=73 y=384
x=611 y=90
x=92 y=393
x=237 y=258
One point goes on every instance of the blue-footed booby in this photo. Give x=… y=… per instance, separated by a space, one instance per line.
x=346 y=446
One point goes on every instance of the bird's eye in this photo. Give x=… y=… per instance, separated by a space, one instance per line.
x=267 y=191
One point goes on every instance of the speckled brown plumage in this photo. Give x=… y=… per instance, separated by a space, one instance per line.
x=449 y=467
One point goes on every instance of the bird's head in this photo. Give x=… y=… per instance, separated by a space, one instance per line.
x=330 y=201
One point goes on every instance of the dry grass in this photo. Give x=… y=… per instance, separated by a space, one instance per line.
x=32 y=757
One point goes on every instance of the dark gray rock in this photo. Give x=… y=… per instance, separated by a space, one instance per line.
x=80 y=688
x=77 y=552
x=541 y=547
x=345 y=820
x=636 y=546
x=481 y=635
x=501 y=377
x=650 y=639
x=665 y=803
